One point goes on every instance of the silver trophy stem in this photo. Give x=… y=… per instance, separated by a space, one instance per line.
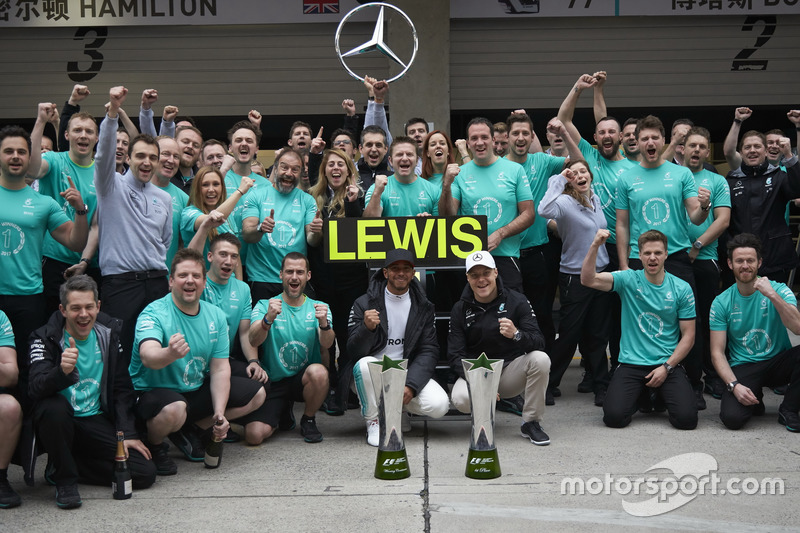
x=482 y=383
x=389 y=384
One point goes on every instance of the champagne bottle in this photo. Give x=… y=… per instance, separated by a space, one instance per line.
x=214 y=450
x=121 y=486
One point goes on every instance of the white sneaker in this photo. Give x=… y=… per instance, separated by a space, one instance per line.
x=373 y=432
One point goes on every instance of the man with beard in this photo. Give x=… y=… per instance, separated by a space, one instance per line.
x=135 y=222
x=500 y=139
x=403 y=194
x=167 y=168
x=288 y=217
x=495 y=187
x=395 y=319
x=629 y=144
x=759 y=193
x=189 y=140
x=297 y=334
x=774 y=153
x=703 y=253
x=658 y=326
x=750 y=318
x=660 y=195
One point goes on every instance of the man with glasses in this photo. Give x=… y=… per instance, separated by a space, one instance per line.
x=278 y=211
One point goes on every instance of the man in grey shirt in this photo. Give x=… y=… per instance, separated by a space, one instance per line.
x=135 y=222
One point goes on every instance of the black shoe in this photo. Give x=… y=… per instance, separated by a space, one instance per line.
x=556 y=392
x=645 y=401
x=715 y=387
x=659 y=406
x=165 y=466
x=600 y=397
x=49 y=470
x=68 y=497
x=586 y=384
x=535 y=433
x=788 y=418
x=232 y=436
x=701 y=401
x=511 y=405
x=331 y=405
x=759 y=409
x=548 y=397
x=309 y=431
x=8 y=496
x=187 y=440
x=780 y=391
x=287 y=421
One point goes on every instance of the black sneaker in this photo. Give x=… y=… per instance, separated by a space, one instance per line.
x=331 y=406
x=645 y=401
x=549 y=397
x=287 y=420
x=165 y=466
x=511 y=405
x=715 y=387
x=232 y=436
x=535 y=433
x=68 y=497
x=701 y=401
x=309 y=431
x=556 y=392
x=759 y=409
x=600 y=397
x=659 y=405
x=780 y=391
x=586 y=385
x=187 y=440
x=788 y=418
x=8 y=496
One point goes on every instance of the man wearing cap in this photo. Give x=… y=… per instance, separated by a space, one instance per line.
x=394 y=318
x=500 y=322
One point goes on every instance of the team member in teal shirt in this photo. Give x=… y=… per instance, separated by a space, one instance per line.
x=750 y=318
x=180 y=366
x=10 y=411
x=495 y=187
x=168 y=161
x=278 y=220
x=658 y=328
x=404 y=194
x=83 y=392
x=27 y=216
x=294 y=330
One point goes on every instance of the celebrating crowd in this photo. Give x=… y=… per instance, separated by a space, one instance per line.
x=671 y=278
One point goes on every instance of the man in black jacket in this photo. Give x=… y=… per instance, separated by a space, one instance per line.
x=395 y=319
x=500 y=323
x=83 y=395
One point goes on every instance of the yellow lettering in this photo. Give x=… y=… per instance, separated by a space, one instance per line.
x=466 y=238
x=411 y=233
x=333 y=243
x=441 y=237
x=364 y=238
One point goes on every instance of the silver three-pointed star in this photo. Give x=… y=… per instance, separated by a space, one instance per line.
x=376 y=43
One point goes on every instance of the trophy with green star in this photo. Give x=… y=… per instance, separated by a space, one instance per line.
x=389 y=381
x=483 y=379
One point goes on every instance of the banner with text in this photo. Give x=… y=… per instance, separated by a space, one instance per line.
x=434 y=241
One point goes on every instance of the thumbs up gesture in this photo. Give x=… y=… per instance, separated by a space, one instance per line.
x=69 y=357
x=269 y=223
x=316 y=224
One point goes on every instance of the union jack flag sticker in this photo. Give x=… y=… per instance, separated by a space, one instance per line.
x=320 y=6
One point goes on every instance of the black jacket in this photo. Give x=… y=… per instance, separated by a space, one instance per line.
x=758 y=206
x=368 y=174
x=474 y=328
x=117 y=396
x=419 y=347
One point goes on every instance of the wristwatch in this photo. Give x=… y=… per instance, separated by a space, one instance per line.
x=669 y=368
x=732 y=385
x=326 y=328
x=698 y=245
x=83 y=211
x=517 y=335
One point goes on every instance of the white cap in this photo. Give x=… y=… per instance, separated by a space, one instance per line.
x=480 y=258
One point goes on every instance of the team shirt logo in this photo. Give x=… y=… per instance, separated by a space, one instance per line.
x=656 y=211
x=650 y=324
x=293 y=355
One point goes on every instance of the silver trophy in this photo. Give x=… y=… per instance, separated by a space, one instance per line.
x=389 y=381
x=483 y=379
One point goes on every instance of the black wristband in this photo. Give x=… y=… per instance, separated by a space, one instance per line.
x=251 y=361
x=737 y=120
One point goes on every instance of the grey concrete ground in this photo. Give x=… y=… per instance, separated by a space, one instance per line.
x=287 y=485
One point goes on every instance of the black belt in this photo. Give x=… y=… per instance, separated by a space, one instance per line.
x=139 y=275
